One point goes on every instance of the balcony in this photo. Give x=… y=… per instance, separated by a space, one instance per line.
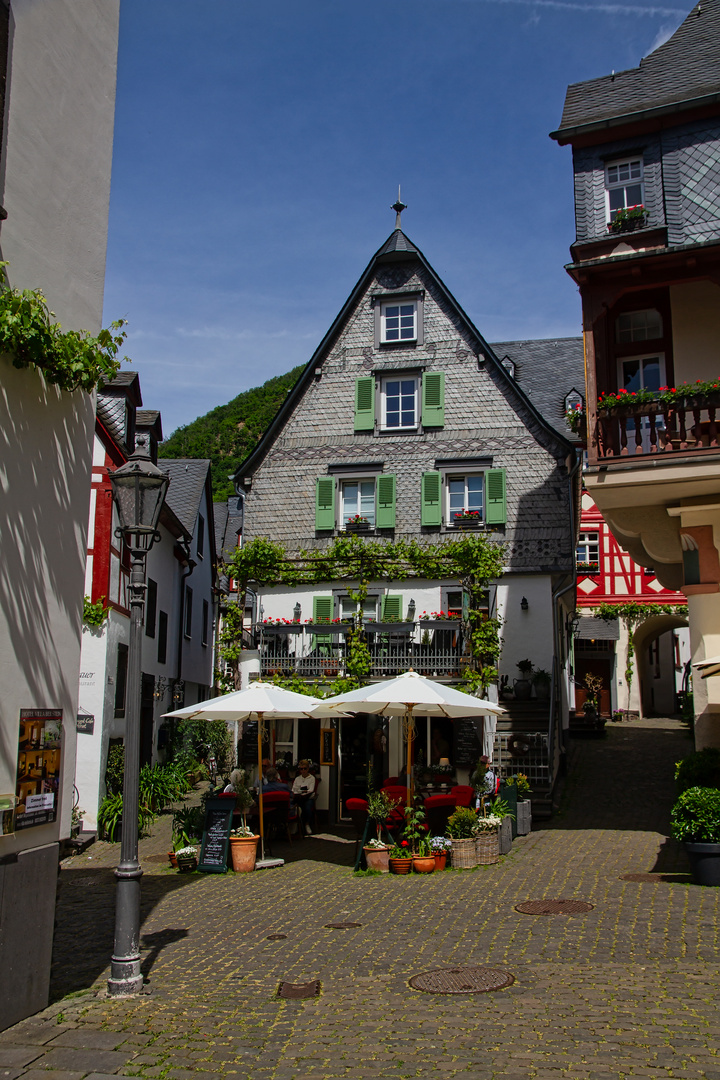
x=650 y=430
x=393 y=649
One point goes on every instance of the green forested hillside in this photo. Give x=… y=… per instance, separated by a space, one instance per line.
x=228 y=433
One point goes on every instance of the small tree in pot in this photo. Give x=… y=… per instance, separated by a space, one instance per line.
x=380 y=806
x=695 y=821
x=523 y=685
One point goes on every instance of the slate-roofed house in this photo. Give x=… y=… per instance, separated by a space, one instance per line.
x=406 y=417
x=646 y=160
x=178 y=639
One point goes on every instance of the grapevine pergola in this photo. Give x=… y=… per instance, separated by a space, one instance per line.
x=474 y=561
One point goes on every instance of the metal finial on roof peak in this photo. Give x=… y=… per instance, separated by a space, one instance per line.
x=398 y=207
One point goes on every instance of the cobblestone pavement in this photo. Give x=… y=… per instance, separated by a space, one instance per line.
x=627 y=990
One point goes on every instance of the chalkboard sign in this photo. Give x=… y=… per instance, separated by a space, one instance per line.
x=216 y=835
x=249 y=749
x=468 y=736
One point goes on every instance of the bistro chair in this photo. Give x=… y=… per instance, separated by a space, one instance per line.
x=392 y=781
x=276 y=807
x=438 y=809
x=463 y=794
x=358 y=811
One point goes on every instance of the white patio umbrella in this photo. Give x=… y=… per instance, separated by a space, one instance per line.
x=259 y=701
x=405 y=694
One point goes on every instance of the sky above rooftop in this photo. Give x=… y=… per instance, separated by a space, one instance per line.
x=258 y=148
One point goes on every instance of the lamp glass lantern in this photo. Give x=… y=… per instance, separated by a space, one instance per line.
x=139 y=489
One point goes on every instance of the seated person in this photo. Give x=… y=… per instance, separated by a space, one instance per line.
x=303 y=791
x=273 y=781
x=487 y=788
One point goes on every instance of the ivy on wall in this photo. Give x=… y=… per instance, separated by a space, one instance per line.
x=70 y=359
x=474 y=561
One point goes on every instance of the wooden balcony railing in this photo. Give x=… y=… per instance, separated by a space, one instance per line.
x=688 y=425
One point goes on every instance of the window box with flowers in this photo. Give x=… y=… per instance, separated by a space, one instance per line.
x=588 y=568
x=576 y=420
x=328 y=626
x=439 y=620
x=388 y=627
x=357 y=524
x=280 y=626
x=467 y=519
x=628 y=219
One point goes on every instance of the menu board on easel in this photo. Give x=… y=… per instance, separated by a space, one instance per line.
x=216 y=835
x=38 y=770
x=468 y=738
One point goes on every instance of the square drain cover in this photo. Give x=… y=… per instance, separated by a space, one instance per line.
x=299 y=990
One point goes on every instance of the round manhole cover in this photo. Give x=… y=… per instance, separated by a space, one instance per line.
x=276 y=937
x=462 y=980
x=554 y=907
x=341 y=925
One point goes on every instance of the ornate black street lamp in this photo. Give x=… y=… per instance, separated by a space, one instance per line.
x=139 y=490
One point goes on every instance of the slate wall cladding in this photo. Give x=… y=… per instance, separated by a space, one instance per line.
x=484 y=416
x=681 y=178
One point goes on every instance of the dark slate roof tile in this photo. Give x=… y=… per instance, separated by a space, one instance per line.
x=187 y=484
x=685 y=68
x=547 y=369
x=397 y=241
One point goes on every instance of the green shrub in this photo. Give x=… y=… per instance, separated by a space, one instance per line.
x=115 y=771
x=699 y=769
x=110 y=815
x=462 y=824
x=695 y=817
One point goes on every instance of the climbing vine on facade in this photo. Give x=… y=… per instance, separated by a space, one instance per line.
x=473 y=561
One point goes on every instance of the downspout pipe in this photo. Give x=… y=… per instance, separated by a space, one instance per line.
x=191 y=564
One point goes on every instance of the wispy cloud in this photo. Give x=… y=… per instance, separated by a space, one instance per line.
x=594 y=9
x=663 y=35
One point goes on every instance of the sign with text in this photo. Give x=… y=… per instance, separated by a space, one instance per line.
x=216 y=835
x=38 y=770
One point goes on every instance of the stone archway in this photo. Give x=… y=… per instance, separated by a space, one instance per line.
x=648 y=632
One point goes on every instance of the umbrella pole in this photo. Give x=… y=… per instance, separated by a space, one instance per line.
x=260 y=795
x=410 y=738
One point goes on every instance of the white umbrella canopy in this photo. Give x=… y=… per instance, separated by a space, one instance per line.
x=407 y=692
x=259 y=701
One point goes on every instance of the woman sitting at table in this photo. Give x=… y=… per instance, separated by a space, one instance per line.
x=303 y=791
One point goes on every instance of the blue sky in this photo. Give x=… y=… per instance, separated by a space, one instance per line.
x=258 y=148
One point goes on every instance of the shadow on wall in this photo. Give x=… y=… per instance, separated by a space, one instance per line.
x=45 y=462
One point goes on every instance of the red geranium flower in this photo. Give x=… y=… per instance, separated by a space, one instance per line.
x=403 y=843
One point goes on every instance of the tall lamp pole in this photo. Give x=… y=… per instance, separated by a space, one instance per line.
x=139 y=490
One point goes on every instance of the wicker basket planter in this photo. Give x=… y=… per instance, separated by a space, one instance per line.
x=462 y=855
x=487 y=848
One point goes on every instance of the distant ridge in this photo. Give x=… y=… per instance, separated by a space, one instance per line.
x=227 y=434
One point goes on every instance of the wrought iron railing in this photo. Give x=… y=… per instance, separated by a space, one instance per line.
x=388 y=656
x=524 y=753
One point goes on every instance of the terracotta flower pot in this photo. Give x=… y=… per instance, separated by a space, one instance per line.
x=440 y=861
x=401 y=866
x=423 y=864
x=243 y=852
x=173 y=858
x=378 y=859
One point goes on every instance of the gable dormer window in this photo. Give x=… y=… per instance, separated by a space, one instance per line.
x=398 y=322
x=623 y=184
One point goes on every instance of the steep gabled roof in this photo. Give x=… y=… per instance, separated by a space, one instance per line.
x=547 y=369
x=397 y=247
x=683 y=72
x=188 y=478
x=228 y=523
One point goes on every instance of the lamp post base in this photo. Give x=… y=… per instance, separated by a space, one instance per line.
x=119 y=986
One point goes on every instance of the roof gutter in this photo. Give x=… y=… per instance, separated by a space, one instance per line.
x=565 y=135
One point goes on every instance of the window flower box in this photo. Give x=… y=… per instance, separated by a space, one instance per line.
x=439 y=624
x=628 y=219
x=327 y=627
x=280 y=628
x=388 y=627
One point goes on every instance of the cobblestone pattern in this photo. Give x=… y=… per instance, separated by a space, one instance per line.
x=627 y=990
x=484 y=417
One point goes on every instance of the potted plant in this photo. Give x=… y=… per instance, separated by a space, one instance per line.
x=467 y=519
x=380 y=806
x=523 y=685
x=377 y=856
x=243 y=841
x=461 y=828
x=186 y=859
x=695 y=821
x=440 y=847
x=400 y=858
x=542 y=680
x=520 y=783
x=487 y=840
x=415 y=833
x=357 y=523
x=423 y=860
x=628 y=219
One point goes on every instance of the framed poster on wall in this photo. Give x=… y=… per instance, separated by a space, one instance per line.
x=327 y=746
x=38 y=770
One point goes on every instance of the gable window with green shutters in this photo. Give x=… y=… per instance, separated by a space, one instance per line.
x=368 y=503
x=408 y=402
x=463 y=500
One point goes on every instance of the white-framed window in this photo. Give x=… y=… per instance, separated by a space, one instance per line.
x=357 y=499
x=643 y=325
x=399 y=396
x=398 y=321
x=623 y=184
x=347 y=607
x=642 y=372
x=588 y=550
x=465 y=493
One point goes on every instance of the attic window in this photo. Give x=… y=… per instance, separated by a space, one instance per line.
x=398 y=321
x=624 y=184
x=509 y=366
x=573 y=400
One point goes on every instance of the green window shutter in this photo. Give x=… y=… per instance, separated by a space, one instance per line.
x=495 y=508
x=392 y=608
x=322 y=612
x=431 y=499
x=385 y=502
x=325 y=502
x=365 y=403
x=433 y=399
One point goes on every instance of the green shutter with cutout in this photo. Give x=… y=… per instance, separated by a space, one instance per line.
x=431 y=513
x=495 y=502
x=325 y=502
x=392 y=608
x=322 y=612
x=365 y=403
x=385 y=502
x=433 y=399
